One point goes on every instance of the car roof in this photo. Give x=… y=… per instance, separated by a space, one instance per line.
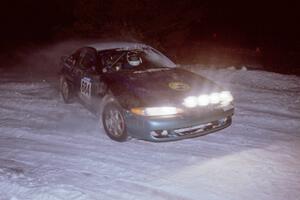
x=118 y=45
x=156 y=55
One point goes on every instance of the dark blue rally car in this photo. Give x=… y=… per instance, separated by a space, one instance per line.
x=138 y=92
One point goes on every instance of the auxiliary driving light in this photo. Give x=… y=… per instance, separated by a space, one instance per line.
x=226 y=96
x=214 y=98
x=190 y=102
x=223 y=98
x=203 y=100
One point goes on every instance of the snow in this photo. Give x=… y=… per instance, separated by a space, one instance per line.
x=51 y=150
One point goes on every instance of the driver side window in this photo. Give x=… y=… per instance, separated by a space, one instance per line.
x=87 y=58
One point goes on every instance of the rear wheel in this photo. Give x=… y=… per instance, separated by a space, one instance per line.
x=114 y=123
x=65 y=90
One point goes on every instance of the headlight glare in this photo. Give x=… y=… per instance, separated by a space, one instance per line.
x=214 y=98
x=203 y=100
x=226 y=96
x=223 y=98
x=190 y=102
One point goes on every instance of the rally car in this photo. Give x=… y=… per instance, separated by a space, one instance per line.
x=138 y=92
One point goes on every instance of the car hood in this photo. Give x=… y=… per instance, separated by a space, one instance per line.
x=158 y=87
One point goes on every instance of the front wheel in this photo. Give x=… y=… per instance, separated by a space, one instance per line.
x=114 y=123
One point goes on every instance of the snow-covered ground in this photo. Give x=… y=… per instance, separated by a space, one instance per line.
x=52 y=151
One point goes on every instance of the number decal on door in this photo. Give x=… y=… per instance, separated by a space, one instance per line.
x=86 y=87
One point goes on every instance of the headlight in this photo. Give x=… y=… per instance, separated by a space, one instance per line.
x=156 y=111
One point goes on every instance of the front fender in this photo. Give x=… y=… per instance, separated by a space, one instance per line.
x=125 y=98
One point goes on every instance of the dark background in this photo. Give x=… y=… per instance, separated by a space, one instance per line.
x=226 y=33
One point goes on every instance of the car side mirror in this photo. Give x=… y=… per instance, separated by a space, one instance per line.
x=68 y=59
x=64 y=58
x=71 y=59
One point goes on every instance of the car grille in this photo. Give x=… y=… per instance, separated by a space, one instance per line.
x=203 y=128
x=198 y=130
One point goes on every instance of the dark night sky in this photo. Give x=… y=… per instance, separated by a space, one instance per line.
x=262 y=23
x=270 y=20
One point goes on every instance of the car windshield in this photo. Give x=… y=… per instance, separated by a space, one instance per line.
x=120 y=60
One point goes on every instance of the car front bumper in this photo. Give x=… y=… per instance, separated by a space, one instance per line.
x=196 y=123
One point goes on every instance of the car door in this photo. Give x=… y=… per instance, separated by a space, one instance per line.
x=88 y=77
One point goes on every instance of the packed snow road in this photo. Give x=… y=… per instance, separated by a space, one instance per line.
x=51 y=150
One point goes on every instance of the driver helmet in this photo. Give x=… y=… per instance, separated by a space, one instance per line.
x=133 y=59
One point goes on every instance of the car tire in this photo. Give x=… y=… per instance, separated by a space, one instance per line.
x=66 y=90
x=114 y=122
